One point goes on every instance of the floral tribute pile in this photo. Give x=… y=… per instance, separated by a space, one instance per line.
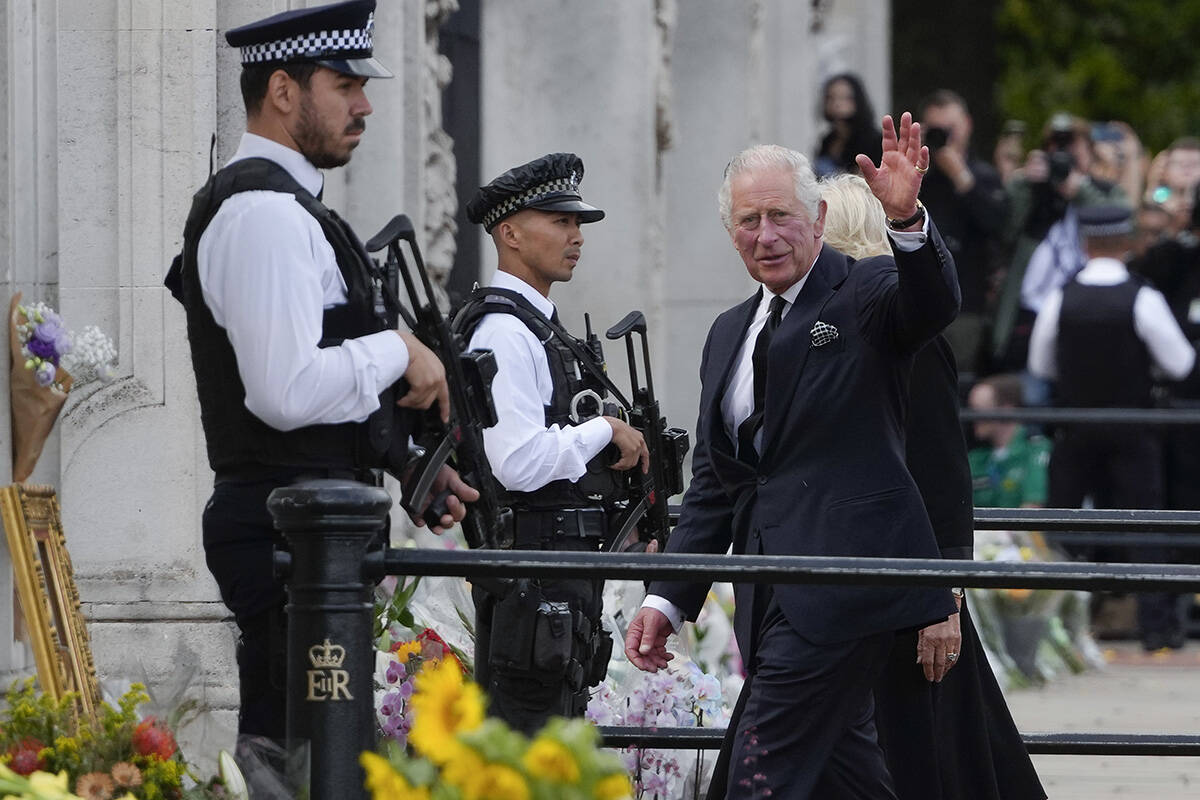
x=456 y=753
x=47 y=749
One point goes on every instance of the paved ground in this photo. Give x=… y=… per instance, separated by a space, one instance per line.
x=1136 y=693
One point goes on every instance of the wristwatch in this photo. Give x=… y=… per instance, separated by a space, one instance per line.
x=901 y=224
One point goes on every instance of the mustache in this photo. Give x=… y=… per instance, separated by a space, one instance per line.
x=357 y=126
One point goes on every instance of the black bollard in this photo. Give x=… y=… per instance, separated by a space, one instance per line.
x=330 y=656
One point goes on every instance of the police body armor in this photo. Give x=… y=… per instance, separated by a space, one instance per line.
x=239 y=443
x=542 y=645
x=578 y=396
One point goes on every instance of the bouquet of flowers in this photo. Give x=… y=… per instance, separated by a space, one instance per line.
x=456 y=753
x=683 y=697
x=42 y=351
x=1030 y=635
x=115 y=755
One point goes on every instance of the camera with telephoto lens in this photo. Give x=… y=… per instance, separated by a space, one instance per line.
x=936 y=138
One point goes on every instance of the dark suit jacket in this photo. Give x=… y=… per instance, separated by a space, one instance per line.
x=832 y=479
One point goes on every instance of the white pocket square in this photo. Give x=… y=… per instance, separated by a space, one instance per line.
x=823 y=333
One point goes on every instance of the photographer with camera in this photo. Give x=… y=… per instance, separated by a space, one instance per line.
x=966 y=196
x=1043 y=232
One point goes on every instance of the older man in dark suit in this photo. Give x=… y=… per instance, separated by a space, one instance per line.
x=800 y=451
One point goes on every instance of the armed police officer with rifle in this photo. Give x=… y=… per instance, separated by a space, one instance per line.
x=301 y=369
x=570 y=466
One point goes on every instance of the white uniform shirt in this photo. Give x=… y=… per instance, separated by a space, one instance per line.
x=738 y=402
x=1152 y=321
x=525 y=454
x=267 y=274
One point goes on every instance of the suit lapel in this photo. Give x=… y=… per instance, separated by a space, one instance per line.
x=793 y=342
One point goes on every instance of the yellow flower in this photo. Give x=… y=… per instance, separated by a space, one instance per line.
x=463 y=769
x=551 y=761
x=384 y=783
x=443 y=706
x=497 y=782
x=50 y=787
x=406 y=650
x=613 y=787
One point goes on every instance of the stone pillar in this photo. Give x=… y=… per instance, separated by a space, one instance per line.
x=743 y=75
x=584 y=79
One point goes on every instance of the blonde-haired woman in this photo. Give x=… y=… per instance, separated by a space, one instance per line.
x=933 y=719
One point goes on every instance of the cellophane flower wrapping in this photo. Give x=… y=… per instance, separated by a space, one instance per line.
x=47 y=362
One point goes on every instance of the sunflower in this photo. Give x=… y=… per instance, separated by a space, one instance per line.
x=384 y=783
x=486 y=781
x=613 y=787
x=551 y=761
x=406 y=650
x=443 y=707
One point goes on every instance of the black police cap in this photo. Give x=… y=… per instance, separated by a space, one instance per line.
x=549 y=183
x=1110 y=219
x=336 y=36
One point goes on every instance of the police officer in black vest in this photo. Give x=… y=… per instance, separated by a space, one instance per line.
x=1102 y=338
x=298 y=363
x=558 y=450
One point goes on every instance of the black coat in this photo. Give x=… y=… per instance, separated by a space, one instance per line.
x=955 y=739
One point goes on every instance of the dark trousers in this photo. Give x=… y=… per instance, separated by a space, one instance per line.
x=804 y=725
x=1118 y=468
x=239 y=543
x=540 y=648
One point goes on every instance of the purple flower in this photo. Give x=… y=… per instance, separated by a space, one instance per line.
x=50 y=330
x=395 y=672
x=392 y=705
x=45 y=374
x=43 y=349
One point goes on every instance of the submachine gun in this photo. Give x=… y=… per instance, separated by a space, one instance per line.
x=647 y=513
x=469 y=379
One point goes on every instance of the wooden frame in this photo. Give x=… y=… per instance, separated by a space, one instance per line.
x=49 y=598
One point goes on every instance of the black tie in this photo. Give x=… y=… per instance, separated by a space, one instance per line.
x=749 y=427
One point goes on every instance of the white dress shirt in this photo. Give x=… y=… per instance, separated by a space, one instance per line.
x=1153 y=323
x=738 y=402
x=267 y=274
x=524 y=453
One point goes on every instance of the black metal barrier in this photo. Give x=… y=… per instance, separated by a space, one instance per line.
x=330 y=524
x=1090 y=744
x=1153 y=417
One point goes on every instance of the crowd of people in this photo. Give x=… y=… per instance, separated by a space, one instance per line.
x=1076 y=262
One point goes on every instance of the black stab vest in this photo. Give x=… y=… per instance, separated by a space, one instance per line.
x=236 y=438
x=600 y=486
x=1101 y=360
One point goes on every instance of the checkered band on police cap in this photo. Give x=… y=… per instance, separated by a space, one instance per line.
x=531 y=196
x=322 y=44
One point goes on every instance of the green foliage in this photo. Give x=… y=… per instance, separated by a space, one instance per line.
x=1130 y=60
x=78 y=746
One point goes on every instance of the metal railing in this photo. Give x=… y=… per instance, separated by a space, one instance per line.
x=330 y=572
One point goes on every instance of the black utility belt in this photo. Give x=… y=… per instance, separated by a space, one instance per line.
x=251 y=473
x=532 y=528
